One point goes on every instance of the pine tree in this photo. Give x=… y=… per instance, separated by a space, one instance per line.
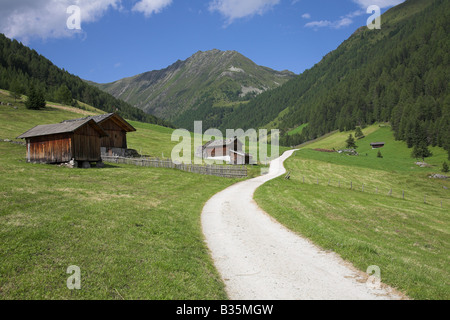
x=35 y=100
x=30 y=103
x=351 y=142
x=16 y=90
x=421 y=151
x=358 y=133
x=64 y=95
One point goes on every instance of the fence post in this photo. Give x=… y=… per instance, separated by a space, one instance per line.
x=403 y=194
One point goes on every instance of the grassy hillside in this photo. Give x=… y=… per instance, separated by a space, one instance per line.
x=298 y=130
x=407 y=238
x=16 y=121
x=134 y=232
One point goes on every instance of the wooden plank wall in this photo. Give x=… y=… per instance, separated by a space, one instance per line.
x=50 y=149
x=86 y=144
x=117 y=136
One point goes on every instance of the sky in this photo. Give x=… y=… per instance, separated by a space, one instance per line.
x=107 y=40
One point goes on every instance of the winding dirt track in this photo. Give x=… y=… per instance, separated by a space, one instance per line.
x=259 y=259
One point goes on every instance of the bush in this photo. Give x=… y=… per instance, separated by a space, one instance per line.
x=445 y=167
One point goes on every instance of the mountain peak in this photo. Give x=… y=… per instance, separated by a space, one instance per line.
x=213 y=81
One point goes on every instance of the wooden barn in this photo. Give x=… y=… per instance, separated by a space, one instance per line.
x=377 y=145
x=221 y=148
x=77 y=141
x=115 y=143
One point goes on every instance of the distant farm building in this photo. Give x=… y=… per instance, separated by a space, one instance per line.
x=221 y=148
x=229 y=150
x=77 y=141
x=377 y=145
x=115 y=143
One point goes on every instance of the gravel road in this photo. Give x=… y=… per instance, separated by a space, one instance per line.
x=259 y=259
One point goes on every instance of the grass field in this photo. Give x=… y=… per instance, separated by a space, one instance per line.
x=408 y=239
x=134 y=232
x=297 y=130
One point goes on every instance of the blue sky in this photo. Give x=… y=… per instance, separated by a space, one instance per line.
x=121 y=38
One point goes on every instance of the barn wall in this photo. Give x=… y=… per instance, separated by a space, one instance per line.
x=214 y=152
x=49 y=149
x=86 y=144
x=117 y=136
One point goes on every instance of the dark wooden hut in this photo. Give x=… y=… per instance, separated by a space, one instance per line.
x=221 y=148
x=377 y=145
x=116 y=128
x=63 y=142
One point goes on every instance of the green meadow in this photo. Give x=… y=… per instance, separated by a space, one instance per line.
x=134 y=232
x=344 y=204
x=297 y=130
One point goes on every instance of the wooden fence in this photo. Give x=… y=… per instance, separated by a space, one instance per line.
x=212 y=170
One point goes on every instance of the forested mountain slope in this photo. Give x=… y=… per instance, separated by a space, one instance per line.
x=22 y=68
x=398 y=74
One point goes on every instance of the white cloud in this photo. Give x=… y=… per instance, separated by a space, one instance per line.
x=306 y=16
x=343 y=22
x=149 y=7
x=25 y=19
x=318 y=24
x=236 y=9
x=381 y=3
x=356 y=13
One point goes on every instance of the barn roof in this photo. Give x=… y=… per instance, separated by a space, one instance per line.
x=220 y=143
x=377 y=143
x=114 y=116
x=58 y=128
